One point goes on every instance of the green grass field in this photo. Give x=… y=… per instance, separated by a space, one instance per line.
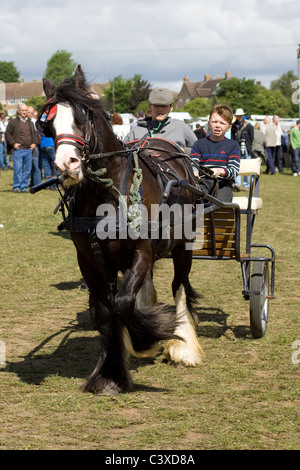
x=245 y=395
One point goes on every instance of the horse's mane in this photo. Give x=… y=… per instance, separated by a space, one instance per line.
x=78 y=95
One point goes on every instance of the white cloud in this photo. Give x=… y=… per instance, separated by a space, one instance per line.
x=161 y=40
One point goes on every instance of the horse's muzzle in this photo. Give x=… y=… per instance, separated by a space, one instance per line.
x=70 y=178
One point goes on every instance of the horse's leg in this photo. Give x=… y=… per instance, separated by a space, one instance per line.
x=147 y=295
x=189 y=351
x=144 y=328
x=111 y=374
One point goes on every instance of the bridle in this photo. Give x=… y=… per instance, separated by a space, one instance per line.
x=83 y=144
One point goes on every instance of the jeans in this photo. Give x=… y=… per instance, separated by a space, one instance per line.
x=295 y=163
x=238 y=179
x=36 y=170
x=2 y=165
x=48 y=159
x=270 y=162
x=278 y=156
x=22 y=169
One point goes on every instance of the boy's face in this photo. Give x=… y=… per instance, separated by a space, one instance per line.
x=218 y=127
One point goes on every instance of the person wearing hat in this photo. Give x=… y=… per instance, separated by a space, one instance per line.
x=160 y=124
x=243 y=133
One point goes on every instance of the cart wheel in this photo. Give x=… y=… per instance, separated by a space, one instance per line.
x=259 y=303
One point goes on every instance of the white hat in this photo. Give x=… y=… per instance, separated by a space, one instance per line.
x=239 y=112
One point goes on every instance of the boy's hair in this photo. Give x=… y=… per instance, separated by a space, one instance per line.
x=223 y=111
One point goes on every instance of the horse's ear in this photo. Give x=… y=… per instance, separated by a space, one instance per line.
x=79 y=78
x=49 y=88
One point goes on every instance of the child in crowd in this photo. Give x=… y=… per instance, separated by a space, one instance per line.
x=219 y=154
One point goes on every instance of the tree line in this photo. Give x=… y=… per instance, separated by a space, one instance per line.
x=128 y=95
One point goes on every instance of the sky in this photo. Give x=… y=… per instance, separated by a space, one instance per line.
x=161 y=40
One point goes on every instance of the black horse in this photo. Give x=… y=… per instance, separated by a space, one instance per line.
x=106 y=184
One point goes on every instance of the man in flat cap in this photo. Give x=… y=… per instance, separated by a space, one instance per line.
x=160 y=123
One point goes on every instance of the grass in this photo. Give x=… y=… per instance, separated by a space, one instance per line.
x=244 y=396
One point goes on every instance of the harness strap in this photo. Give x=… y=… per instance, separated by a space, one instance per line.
x=71 y=139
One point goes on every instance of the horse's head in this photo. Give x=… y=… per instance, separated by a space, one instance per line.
x=69 y=117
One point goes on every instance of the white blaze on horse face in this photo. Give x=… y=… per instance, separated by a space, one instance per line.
x=67 y=155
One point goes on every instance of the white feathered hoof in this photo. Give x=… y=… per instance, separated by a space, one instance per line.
x=187 y=352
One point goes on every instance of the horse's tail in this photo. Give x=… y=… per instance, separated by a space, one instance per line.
x=146 y=328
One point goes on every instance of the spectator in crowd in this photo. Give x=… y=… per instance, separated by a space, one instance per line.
x=278 y=148
x=139 y=117
x=243 y=132
x=200 y=132
x=295 y=145
x=160 y=124
x=259 y=143
x=270 y=135
x=218 y=153
x=266 y=121
x=36 y=171
x=48 y=158
x=285 y=145
x=120 y=129
x=21 y=138
x=3 y=146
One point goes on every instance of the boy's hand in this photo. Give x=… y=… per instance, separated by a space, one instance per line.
x=196 y=174
x=218 y=171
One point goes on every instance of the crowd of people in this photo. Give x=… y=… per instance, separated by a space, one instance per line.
x=32 y=154
x=227 y=137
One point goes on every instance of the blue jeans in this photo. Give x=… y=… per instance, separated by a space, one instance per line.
x=270 y=162
x=36 y=170
x=295 y=163
x=22 y=169
x=2 y=165
x=238 y=179
x=48 y=159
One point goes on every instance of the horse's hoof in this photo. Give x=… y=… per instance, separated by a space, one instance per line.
x=103 y=386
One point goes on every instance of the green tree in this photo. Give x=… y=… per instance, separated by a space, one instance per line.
x=8 y=72
x=117 y=95
x=140 y=90
x=198 y=107
x=124 y=95
x=60 y=66
x=270 y=102
x=284 y=85
x=36 y=102
x=237 y=93
x=255 y=98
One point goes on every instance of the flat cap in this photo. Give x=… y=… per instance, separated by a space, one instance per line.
x=161 y=96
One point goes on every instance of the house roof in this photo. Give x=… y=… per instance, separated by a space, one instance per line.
x=17 y=90
x=23 y=89
x=200 y=89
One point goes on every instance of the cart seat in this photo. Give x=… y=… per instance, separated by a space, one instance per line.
x=250 y=167
x=243 y=202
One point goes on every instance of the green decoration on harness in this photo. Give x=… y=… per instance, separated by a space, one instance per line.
x=134 y=217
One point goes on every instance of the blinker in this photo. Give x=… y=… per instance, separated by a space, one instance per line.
x=52 y=113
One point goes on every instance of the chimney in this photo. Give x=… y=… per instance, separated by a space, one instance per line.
x=207 y=77
x=186 y=79
x=227 y=74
